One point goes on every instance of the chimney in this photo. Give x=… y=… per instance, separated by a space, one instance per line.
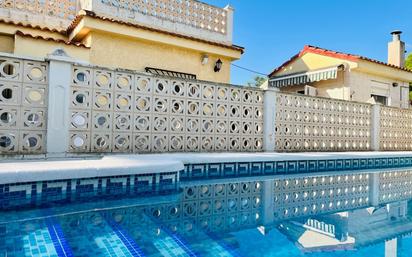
x=396 y=49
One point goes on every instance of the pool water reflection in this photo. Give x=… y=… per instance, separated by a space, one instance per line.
x=141 y=228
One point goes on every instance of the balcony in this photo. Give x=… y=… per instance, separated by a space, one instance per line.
x=186 y=17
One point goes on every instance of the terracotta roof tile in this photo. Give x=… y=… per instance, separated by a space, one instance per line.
x=25 y=25
x=340 y=55
x=85 y=13
x=22 y=34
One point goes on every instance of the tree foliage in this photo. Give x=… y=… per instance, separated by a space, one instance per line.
x=257 y=81
x=408 y=65
x=408 y=62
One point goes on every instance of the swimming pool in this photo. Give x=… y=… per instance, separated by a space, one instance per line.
x=174 y=225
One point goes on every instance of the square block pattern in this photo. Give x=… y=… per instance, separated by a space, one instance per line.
x=297 y=197
x=305 y=123
x=210 y=207
x=395 y=186
x=114 y=111
x=192 y=13
x=395 y=129
x=23 y=106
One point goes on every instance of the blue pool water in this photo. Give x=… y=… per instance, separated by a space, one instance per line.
x=158 y=226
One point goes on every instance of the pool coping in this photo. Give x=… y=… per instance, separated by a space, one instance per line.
x=20 y=171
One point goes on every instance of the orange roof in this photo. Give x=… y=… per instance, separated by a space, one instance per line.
x=30 y=26
x=61 y=41
x=85 y=13
x=330 y=53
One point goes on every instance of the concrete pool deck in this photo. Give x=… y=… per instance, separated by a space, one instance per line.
x=19 y=171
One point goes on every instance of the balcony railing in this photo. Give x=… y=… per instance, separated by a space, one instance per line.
x=187 y=17
x=51 y=13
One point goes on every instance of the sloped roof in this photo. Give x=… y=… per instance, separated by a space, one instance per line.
x=31 y=26
x=61 y=41
x=335 y=54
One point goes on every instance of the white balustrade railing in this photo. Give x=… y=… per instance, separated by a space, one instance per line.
x=50 y=13
x=186 y=17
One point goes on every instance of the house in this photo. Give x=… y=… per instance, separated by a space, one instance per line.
x=321 y=72
x=186 y=39
x=349 y=230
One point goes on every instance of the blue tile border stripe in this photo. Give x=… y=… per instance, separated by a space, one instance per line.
x=130 y=244
x=59 y=241
x=202 y=171
x=45 y=193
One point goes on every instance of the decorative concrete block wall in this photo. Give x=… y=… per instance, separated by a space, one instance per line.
x=395 y=186
x=23 y=105
x=188 y=17
x=55 y=106
x=55 y=14
x=296 y=197
x=305 y=123
x=118 y=111
x=395 y=129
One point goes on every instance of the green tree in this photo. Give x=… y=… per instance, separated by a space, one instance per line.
x=408 y=62
x=257 y=81
x=408 y=65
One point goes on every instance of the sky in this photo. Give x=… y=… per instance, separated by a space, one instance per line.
x=272 y=31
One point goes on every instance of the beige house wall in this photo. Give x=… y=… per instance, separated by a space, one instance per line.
x=41 y=48
x=116 y=51
x=311 y=61
x=6 y=43
x=328 y=88
x=359 y=80
x=362 y=85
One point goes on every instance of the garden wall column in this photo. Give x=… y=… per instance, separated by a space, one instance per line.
x=60 y=70
x=374 y=188
x=269 y=120
x=375 y=127
x=268 y=202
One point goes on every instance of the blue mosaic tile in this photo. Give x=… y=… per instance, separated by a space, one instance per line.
x=44 y=193
x=269 y=168
x=243 y=169
x=124 y=236
x=229 y=170
x=256 y=168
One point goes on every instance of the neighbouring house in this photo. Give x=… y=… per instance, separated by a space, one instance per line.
x=321 y=72
x=186 y=39
x=350 y=230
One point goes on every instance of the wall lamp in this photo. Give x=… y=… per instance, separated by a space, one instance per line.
x=218 y=65
x=205 y=59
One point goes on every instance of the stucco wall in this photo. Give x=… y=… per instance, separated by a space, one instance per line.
x=328 y=88
x=41 y=48
x=311 y=61
x=362 y=85
x=6 y=43
x=124 y=52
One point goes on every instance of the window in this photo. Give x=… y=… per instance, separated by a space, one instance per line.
x=380 y=99
x=301 y=92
